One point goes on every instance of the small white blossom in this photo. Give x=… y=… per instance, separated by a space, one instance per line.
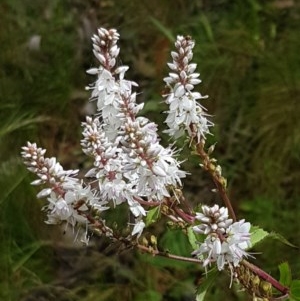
x=138 y=228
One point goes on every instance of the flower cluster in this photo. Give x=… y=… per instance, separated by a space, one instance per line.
x=131 y=167
x=129 y=162
x=225 y=242
x=68 y=199
x=185 y=113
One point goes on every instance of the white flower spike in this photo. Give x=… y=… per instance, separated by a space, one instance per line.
x=185 y=114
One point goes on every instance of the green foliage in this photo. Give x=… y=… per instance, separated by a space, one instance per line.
x=192 y=238
x=257 y=235
x=295 y=290
x=176 y=241
x=163 y=29
x=206 y=284
x=282 y=239
x=153 y=215
x=285 y=274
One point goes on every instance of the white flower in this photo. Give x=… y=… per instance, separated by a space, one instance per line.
x=48 y=170
x=138 y=228
x=61 y=209
x=212 y=246
x=213 y=219
x=136 y=208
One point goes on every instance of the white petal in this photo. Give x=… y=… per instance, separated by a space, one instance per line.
x=43 y=193
x=138 y=228
x=92 y=71
x=37 y=182
x=158 y=171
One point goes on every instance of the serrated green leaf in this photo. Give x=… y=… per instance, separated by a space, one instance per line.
x=152 y=215
x=257 y=235
x=282 y=239
x=285 y=274
x=206 y=284
x=295 y=290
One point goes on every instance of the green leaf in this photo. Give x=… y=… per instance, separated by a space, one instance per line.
x=295 y=290
x=192 y=238
x=153 y=215
x=176 y=242
x=257 y=235
x=200 y=296
x=282 y=239
x=206 y=284
x=285 y=274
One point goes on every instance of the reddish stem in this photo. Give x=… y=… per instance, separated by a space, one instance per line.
x=147 y=203
x=217 y=178
x=265 y=276
x=186 y=217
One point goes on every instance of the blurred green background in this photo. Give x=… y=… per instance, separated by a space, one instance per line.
x=248 y=56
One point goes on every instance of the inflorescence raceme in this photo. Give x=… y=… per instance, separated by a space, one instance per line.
x=132 y=167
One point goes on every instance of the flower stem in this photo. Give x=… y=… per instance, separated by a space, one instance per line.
x=265 y=276
x=156 y=252
x=220 y=182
